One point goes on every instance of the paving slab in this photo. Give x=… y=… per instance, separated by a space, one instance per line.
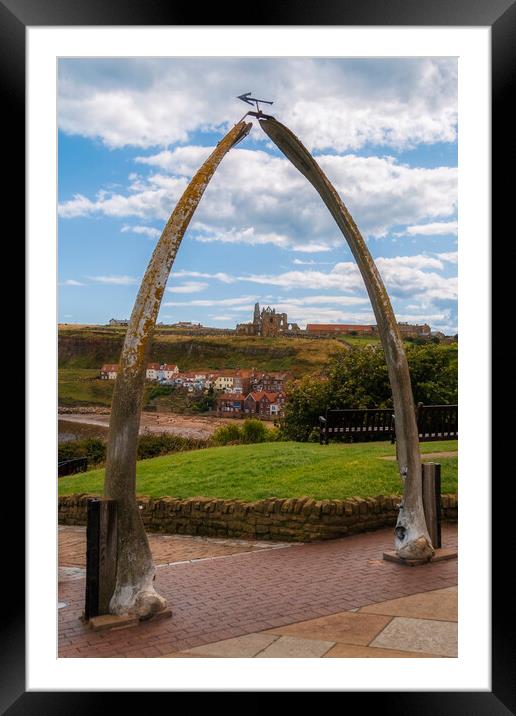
x=347 y=627
x=242 y=646
x=424 y=635
x=440 y=604
x=349 y=651
x=290 y=647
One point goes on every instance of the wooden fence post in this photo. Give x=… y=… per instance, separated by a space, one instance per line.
x=101 y=546
x=432 y=501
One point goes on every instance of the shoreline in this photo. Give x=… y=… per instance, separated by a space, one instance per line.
x=191 y=426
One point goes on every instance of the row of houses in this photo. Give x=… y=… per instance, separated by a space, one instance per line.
x=241 y=381
x=406 y=329
x=154 y=371
x=260 y=404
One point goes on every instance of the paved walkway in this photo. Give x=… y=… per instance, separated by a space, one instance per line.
x=423 y=625
x=166 y=549
x=268 y=594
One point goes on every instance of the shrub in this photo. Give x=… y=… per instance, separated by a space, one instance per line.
x=92 y=448
x=227 y=435
x=254 y=431
x=154 y=444
x=149 y=445
x=158 y=390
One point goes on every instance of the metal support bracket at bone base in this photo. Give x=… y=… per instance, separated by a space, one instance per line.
x=101 y=540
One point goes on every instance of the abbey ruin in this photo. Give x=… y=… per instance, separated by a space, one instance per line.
x=267 y=323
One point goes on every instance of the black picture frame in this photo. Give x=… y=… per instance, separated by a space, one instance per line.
x=500 y=16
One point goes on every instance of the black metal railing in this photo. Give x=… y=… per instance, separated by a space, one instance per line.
x=435 y=422
x=70 y=467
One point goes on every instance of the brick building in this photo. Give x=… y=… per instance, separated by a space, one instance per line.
x=340 y=328
x=259 y=404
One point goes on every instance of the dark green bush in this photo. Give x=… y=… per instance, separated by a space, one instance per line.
x=149 y=445
x=154 y=444
x=254 y=431
x=227 y=435
x=158 y=390
x=92 y=448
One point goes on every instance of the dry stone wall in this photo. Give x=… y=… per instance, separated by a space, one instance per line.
x=300 y=519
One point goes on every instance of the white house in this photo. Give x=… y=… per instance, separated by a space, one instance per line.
x=152 y=372
x=109 y=371
x=168 y=371
x=224 y=382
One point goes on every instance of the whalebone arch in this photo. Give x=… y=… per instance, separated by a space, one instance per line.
x=134 y=591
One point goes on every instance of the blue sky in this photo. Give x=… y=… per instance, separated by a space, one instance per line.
x=132 y=132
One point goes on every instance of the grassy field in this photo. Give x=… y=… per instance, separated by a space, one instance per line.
x=82 y=386
x=278 y=469
x=360 y=341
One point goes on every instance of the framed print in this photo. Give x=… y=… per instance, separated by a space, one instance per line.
x=116 y=102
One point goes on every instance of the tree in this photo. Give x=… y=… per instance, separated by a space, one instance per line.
x=411 y=535
x=134 y=591
x=358 y=378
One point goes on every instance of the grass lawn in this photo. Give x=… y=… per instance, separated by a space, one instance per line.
x=83 y=386
x=278 y=469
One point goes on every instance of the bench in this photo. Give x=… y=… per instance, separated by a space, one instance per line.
x=356 y=425
x=435 y=422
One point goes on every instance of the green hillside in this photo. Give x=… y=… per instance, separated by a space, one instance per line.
x=91 y=346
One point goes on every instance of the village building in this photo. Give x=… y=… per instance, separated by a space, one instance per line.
x=109 y=371
x=259 y=404
x=349 y=328
x=152 y=372
x=272 y=382
x=117 y=322
x=232 y=403
x=242 y=381
x=224 y=382
x=409 y=330
x=168 y=371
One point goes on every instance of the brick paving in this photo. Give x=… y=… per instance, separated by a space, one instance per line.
x=165 y=548
x=244 y=593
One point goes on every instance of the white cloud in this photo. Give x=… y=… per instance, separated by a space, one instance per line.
x=451 y=257
x=115 y=280
x=310 y=262
x=219 y=276
x=145 y=230
x=342 y=104
x=415 y=262
x=404 y=276
x=212 y=302
x=436 y=228
x=72 y=282
x=189 y=287
x=256 y=198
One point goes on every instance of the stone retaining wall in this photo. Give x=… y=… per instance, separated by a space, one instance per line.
x=297 y=519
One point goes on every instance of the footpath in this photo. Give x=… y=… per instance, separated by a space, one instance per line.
x=238 y=598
